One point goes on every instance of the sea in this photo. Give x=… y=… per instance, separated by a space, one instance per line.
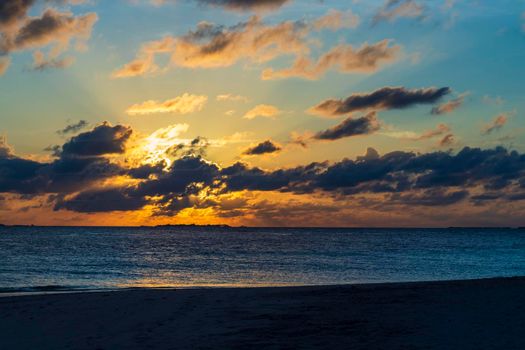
x=47 y=259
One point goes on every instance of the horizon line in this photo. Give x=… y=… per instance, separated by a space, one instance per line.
x=225 y=226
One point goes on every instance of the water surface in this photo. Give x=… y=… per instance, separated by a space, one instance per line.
x=51 y=258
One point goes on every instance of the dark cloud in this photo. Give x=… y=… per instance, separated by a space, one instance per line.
x=12 y=11
x=80 y=164
x=73 y=128
x=197 y=147
x=65 y=175
x=21 y=176
x=431 y=198
x=180 y=178
x=246 y=5
x=242 y=177
x=173 y=189
x=365 y=125
x=95 y=201
x=238 y=5
x=55 y=150
x=147 y=170
x=52 y=29
x=52 y=26
x=70 y=173
x=103 y=139
x=384 y=98
x=263 y=148
x=392 y=172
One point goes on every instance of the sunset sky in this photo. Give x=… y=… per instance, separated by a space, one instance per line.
x=262 y=112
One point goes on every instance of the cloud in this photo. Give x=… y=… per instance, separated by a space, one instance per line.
x=395 y=9
x=336 y=20
x=231 y=97
x=6 y=151
x=246 y=5
x=266 y=111
x=496 y=124
x=384 y=98
x=20 y=175
x=81 y=163
x=447 y=140
x=99 y=201
x=342 y=58
x=215 y=46
x=237 y=5
x=195 y=147
x=184 y=177
x=184 y=104
x=73 y=128
x=40 y=62
x=265 y=147
x=145 y=62
x=431 y=198
x=395 y=172
x=154 y=148
x=12 y=10
x=449 y=106
x=440 y=130
x=84 y=177
x=52 y=29
x=365 y=125
x=102 y=140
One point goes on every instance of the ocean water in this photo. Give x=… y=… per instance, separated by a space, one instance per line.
x=53 y=258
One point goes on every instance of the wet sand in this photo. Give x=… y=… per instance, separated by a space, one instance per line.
x=481 y=314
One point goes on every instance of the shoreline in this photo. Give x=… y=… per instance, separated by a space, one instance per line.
x=460 y=314
x=52 y=290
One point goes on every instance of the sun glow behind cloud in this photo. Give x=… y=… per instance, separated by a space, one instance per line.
x=153 y=149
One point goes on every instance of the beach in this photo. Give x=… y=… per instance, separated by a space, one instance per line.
x=476 y=314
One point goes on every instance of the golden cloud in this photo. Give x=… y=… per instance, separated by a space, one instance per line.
x=343 y=58
x=184 y=104
x=266 y=111
x=214 y=46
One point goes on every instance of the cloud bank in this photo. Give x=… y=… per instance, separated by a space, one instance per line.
x=80 y=179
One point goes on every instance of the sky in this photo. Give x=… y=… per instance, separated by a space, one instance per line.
x=348 y=113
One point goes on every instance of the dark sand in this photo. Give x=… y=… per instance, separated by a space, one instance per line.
x=484 y=314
